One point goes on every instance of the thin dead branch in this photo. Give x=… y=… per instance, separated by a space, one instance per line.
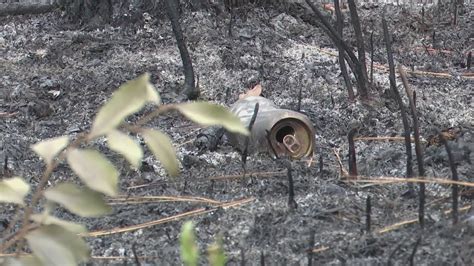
x=352 y=60
x=455 y=189
x=352 y=153
x=398 y=99
x=190 y=89
x=396 y=226
x=250 y=175
x=359 y=37
x=382 y=138
x=342 y=61
x=384 y=180
x=123 y=200
x=416 y=130
x=177 y=217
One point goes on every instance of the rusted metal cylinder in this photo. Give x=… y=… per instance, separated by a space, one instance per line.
x=277 y=131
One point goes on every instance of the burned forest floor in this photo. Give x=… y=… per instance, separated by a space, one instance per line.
x=54 y=76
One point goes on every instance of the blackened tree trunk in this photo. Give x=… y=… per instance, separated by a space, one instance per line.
x=88 y=11
x=190 y=89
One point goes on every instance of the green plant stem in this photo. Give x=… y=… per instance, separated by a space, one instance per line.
x=28 y=211
x=14 y=238
x=83 y=138
x=158 y=111
x=26 y=223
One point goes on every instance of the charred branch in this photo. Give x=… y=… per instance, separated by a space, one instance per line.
x=352 y=60
x=416 y=131
x=342 y=61
x=413 y=253
x=372 y=57
x=190 y=90
x=455 y=188
x=359 y=37
x=368 y=214
x=398 y=99
x=247 y=140
x=469 y=60
x=292 y=205
x=352 y=153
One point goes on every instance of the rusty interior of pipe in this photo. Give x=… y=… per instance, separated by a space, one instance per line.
x=291 y=137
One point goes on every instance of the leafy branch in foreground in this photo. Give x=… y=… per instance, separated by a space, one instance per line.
x=54 y=241
x=190 y=251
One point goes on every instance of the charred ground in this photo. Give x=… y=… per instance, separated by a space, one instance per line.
x=42 y=55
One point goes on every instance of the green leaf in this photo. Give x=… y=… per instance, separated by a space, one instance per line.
x=46 y=219
x=13 y=190
x=28 y=260
x=189 y=248
x=216 y=254
x=49 y=148
x=81 y=201
x=126 y=146
x=95 y=170
x=54 y=245
x=208 y=114
x=128 y=99
x=161 y=146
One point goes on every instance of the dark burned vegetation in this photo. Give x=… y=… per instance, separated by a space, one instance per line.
x=379 y=188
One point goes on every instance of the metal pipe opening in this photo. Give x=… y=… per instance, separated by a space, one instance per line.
x=291 y=137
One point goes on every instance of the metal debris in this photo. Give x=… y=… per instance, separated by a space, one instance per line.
x=290 y=133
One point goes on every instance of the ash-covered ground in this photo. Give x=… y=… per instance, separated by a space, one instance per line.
x=54 y=77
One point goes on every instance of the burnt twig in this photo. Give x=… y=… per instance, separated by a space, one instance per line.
x=300 y=94
x=394 y=251
x=352 y=153
x=321 y=165
x=359 y=36
x=368 y=213
x=342 y=61
x=455 y=12
x=352 y=60
x=231 y=20
x=5 y=167
x=247 y=140
x=455 y=188
x=415 y=248
x=135 y=257
x=423 y=14
x=398 y=99
x=416 y=130
x=372 y=58
x=469 y=60
x=291 y=191
x=189 y=84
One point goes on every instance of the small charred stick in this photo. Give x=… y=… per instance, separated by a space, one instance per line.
x=291 y=191
x=368 y=213
x=352 y=153
x=247 y=140
x=455 y=188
